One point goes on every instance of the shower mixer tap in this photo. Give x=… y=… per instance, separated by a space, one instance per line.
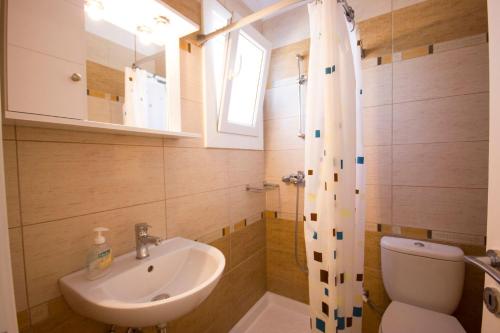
x=298 y=178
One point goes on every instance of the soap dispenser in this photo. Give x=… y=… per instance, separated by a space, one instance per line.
x=100 y=256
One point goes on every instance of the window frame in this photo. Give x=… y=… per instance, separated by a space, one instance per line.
x=254 y=36
x=216 y=136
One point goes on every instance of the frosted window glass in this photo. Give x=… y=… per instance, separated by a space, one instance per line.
x=243 y=103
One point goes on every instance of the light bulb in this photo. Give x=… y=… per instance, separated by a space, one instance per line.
x=94 y=9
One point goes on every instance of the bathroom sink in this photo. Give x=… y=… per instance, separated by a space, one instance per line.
x=177 y=276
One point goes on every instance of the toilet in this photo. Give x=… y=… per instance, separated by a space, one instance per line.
x=424 y=281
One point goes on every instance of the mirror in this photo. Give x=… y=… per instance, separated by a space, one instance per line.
x=128 y=42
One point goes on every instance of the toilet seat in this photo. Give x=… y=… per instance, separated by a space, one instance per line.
x=401 y=317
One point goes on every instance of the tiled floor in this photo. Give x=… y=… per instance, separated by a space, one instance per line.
x=275 y=314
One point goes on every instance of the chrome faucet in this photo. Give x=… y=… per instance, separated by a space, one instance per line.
x=142 y=239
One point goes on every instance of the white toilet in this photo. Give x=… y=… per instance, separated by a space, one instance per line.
x=424 y=281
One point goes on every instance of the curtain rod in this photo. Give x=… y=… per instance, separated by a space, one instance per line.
x=258 y=15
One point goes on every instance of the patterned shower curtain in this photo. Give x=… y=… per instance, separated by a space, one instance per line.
x=334 y=192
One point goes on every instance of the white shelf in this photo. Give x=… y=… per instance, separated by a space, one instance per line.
x=28 y=119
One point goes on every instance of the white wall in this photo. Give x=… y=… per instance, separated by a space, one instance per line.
x=490 y=322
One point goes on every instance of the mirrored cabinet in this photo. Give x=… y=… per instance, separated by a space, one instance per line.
x=103 y=64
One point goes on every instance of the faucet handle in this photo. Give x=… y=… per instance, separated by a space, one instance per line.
x=142 y=227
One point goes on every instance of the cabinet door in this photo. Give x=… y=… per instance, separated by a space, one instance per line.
x=45 y=47
x=41 y=84
x=51 y=27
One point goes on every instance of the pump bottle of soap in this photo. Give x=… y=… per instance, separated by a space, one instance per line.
x=100 y=256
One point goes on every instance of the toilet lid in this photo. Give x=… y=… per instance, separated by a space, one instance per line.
x=400 y=317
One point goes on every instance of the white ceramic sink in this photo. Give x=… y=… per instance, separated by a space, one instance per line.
x=185 y=270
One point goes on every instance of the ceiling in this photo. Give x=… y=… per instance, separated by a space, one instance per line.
x=258 y=4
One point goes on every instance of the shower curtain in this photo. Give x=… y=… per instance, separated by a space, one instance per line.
x=334 y=191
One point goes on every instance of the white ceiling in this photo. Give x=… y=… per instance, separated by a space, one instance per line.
x=258 y=4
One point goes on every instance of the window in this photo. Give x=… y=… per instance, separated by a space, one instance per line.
x=236 y=66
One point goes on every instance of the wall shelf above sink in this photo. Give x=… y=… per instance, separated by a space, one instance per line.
x=23 y=119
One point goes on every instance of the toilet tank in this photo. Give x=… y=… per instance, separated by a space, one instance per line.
x=423 y=274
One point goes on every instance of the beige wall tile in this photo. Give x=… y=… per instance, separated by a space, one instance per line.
x=11 y=183
x=55 y=135
x=461 y=42
x=248 y=284
x=460 y=164
x=377 y=125
x=245 y=167
x=247 y=241
x=191 y=78
x=458 y=118
x=98 y=109
x=283 y=275
x=283 y=200
x=436 y=21
x=279 y=163
x=17 y=258
x=195 y=215
x=244 y=204
x=192 y=116
x=398 y=4
x=442 y=74
x=366 y=9
x=378 y=204
x=194 y=170
x=446 y=209
x=8 y=132
x=283 y=62
x=57 y=248
x=282 y=101
x=377 y=85
x=282 y=133
x=60 y=180
x=378 y=160
x=376 y=34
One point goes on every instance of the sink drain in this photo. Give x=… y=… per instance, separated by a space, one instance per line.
x=160 y=297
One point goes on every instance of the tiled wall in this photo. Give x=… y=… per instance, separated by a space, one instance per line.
x=425 y=126
x=61 y=184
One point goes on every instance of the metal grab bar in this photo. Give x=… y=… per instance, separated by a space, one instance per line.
x=489 y=264
x=266 y=187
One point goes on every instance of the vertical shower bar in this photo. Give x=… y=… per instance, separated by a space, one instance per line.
x=300 y=81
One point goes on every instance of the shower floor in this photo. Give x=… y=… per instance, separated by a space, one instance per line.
x=275 y=314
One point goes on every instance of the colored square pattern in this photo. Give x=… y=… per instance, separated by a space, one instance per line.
x=320 y=325
x=360 y=160
x=310 y=172
x=323 y=276
x=357 y=312
x=318 y=256
x=325 y=308
x=330 y=70
x=314 y=217
x=317 y=133
x=340 y=235
x=359 y=277
x=340 y=323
